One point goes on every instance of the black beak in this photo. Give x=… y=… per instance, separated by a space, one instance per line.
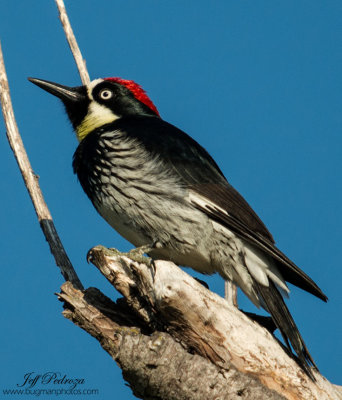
x=65 y=93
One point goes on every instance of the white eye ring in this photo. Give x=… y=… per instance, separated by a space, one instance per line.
x=106 y=94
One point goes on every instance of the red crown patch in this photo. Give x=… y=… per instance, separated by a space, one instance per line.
x=138 y=92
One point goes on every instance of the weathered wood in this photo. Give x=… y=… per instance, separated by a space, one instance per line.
x=155 y=364
x=165 y=302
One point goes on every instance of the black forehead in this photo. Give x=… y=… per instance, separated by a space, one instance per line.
x=115 y=87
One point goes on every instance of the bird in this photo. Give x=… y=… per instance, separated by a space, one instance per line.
x=157 y=187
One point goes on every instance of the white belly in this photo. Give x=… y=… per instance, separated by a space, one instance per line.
x=123 y=225
x=192 y=254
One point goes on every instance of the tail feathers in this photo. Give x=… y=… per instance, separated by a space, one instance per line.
x=275 y=305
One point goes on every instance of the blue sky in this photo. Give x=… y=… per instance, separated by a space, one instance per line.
x=258 y=83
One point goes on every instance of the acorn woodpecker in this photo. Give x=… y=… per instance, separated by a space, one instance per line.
x=157 y=186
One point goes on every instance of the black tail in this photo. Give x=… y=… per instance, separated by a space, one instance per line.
x=276 y=306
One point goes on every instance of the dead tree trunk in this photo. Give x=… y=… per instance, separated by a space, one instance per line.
x=174 y=339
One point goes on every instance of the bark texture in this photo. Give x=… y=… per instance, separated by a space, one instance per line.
x=174 y=339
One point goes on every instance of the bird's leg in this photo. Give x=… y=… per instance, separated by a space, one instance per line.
x=141 y=250
x=230 y=293
x=137 y=254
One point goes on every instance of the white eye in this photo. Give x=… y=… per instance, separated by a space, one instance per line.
x=106 y=94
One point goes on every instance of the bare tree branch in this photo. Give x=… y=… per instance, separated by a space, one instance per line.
x=31 y=182
x=174 y=339
x=156 y=365
x=80 y=62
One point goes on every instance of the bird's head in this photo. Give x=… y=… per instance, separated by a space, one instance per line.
x=101 y=102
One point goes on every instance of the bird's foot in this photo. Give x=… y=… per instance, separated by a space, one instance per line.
x=137 y=254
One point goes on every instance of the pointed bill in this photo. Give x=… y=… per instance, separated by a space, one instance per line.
x=65 y=93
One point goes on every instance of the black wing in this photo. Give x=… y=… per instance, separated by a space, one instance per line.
x=192 y=163
x=200 y=173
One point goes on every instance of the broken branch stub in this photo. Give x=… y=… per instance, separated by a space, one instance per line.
x=165 y=296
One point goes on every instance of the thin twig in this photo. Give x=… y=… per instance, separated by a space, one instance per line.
x=31 y=182
x=80 y=62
